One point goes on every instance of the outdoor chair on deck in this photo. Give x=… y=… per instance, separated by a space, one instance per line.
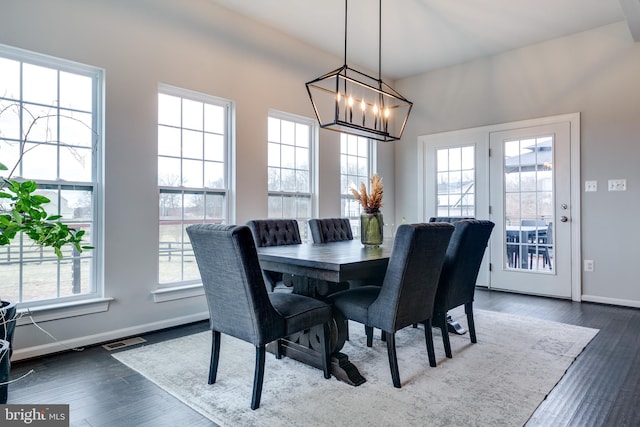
x=408 y=291
x=543 y=246
x=239 y=304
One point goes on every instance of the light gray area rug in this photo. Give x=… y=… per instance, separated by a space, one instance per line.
x=499 y=381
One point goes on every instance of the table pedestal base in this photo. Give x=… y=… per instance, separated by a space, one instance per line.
x=305 y=347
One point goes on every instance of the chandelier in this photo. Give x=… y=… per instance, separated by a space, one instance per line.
x=349 y=101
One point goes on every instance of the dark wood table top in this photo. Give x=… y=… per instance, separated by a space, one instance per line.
x=335 y=262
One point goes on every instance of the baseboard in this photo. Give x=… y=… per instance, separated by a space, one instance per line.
x=89 y=340
x=611 y=301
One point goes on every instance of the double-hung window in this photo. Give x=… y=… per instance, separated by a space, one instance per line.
x=50 y=133
x=290 y=168
x=357 y=156
x=194 y=151
x=456 y=181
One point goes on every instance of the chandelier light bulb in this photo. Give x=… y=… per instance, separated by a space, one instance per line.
x=350 y=102
x=386 y=120
x=375 y=116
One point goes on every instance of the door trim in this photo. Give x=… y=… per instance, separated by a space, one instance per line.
x=425 y=208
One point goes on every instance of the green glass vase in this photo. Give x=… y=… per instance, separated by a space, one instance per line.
x=371 y=226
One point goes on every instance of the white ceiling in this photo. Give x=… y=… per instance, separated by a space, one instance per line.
x=422 y=35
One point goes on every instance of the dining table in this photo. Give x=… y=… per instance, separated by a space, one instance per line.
x=318 y=269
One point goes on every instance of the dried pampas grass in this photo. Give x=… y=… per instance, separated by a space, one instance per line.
x=370 y=202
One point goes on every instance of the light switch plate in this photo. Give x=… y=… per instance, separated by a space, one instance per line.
x=590 y=186
x=588 y=265
x=617 y=185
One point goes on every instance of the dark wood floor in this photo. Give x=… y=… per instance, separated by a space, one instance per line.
x=602 y=387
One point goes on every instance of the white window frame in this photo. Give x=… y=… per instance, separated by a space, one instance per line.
x=92 y=300
x=451 y=210
x=168 y=290
x=312 y=194
x=345 y=194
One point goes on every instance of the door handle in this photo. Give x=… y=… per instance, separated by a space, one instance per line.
x=564 y=219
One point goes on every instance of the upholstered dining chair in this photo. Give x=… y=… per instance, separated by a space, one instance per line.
x=239 y=303
x=325 y=230
x=449 y=219
x=275 y=232
x=454 y=326
x=408 y=290
x=459 y=274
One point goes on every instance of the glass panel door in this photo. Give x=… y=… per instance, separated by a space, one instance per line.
x=520 y=177
x=530 y=186
x=528 y=203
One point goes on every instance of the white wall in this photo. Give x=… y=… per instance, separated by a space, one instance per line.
x=191 y=44
x=198 y=46
x=594 y=73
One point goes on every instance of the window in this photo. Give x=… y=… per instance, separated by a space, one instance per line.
x=356 y=167
x=50 y=133
x=456 y=181
x=290 y=160
x=194 y=147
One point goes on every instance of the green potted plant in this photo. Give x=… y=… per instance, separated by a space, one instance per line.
x=371 y=221
x=22 y=210
x=26 y=214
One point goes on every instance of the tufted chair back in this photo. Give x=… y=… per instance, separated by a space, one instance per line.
x=449 y=219
x=275 y=232
x=327 y=230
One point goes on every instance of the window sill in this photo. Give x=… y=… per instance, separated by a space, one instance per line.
x=178 y=292
x=46 y=313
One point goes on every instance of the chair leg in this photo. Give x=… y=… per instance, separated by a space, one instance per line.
x=258 y=376
x=215 y=356
x=468 y=309
x=442 y=324
x=531 y=261
x=393 y=359
x=325 y=344
x=278 y=349
x=546 y=259
x=428 y=336
x=369 y=331
x=383 y=336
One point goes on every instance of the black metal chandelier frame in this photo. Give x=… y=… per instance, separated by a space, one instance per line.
x=383 y=111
